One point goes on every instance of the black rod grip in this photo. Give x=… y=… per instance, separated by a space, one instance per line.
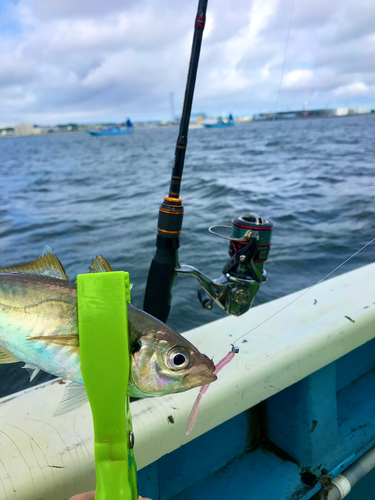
x=161 y=276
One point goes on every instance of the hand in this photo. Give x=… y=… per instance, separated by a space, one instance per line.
x=84 y=496
x=90 y=495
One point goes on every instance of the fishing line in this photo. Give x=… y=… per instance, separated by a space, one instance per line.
x=286 y=48
x=303 y=293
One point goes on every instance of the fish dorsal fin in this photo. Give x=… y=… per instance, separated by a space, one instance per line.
x=100 y=265
x=7 y=357
x=46 y=265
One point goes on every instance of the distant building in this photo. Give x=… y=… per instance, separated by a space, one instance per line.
x=195 y=116
x=359 y=111
x=352 y=111
x=6 y=131
x=241 y=119
x=311 y=113
x=26 y=129
x=341 y=111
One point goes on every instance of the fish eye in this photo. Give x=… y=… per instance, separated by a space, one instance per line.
x=136 y=346
x=177 y=358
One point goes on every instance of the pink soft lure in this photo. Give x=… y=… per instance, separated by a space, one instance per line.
x=194 y=412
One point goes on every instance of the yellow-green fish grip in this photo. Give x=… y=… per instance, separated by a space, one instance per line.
x=103 y=338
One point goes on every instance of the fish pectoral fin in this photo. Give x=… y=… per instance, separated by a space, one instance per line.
x=100 y=265
x=74 y=397
x=33 y=371
x=46 y=265
x=7 y=357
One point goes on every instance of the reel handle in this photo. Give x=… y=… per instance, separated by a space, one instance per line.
x=205 y=299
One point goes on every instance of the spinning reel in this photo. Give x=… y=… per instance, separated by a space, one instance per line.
x=242 y=275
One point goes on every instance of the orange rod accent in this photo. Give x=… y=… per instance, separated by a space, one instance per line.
x=174 y=212
x=170 y=198
x=169 y=232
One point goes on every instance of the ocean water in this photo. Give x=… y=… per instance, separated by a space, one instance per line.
x=84 y=196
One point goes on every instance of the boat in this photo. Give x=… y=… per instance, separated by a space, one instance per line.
x=221 y=123
x=111 y=131
x=296 y=402
x=114 y=130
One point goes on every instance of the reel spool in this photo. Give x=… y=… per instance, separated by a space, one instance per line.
x=251 y=222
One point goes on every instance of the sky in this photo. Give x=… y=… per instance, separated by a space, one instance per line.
x=88 y=61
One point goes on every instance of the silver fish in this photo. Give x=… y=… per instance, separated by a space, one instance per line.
x=38 y=325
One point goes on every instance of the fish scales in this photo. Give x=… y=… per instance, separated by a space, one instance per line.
x=34 y=310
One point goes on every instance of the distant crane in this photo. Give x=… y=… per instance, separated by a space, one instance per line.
x=171 y=95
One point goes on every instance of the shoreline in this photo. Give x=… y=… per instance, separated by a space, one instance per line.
x=273 y=119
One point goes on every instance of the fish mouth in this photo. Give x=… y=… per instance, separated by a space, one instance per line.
x=208 y=379
x=201 y=377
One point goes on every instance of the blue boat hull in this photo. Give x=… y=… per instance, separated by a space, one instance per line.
x=110 y=132
x=317 y=430
x=219 y=125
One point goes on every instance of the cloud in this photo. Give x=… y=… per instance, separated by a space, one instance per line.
x=354 y=89
x=69 y=9
x=102 y=60
x=298 y=79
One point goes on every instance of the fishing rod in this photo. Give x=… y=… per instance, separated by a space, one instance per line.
x=249 y=238
x=157 y=301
